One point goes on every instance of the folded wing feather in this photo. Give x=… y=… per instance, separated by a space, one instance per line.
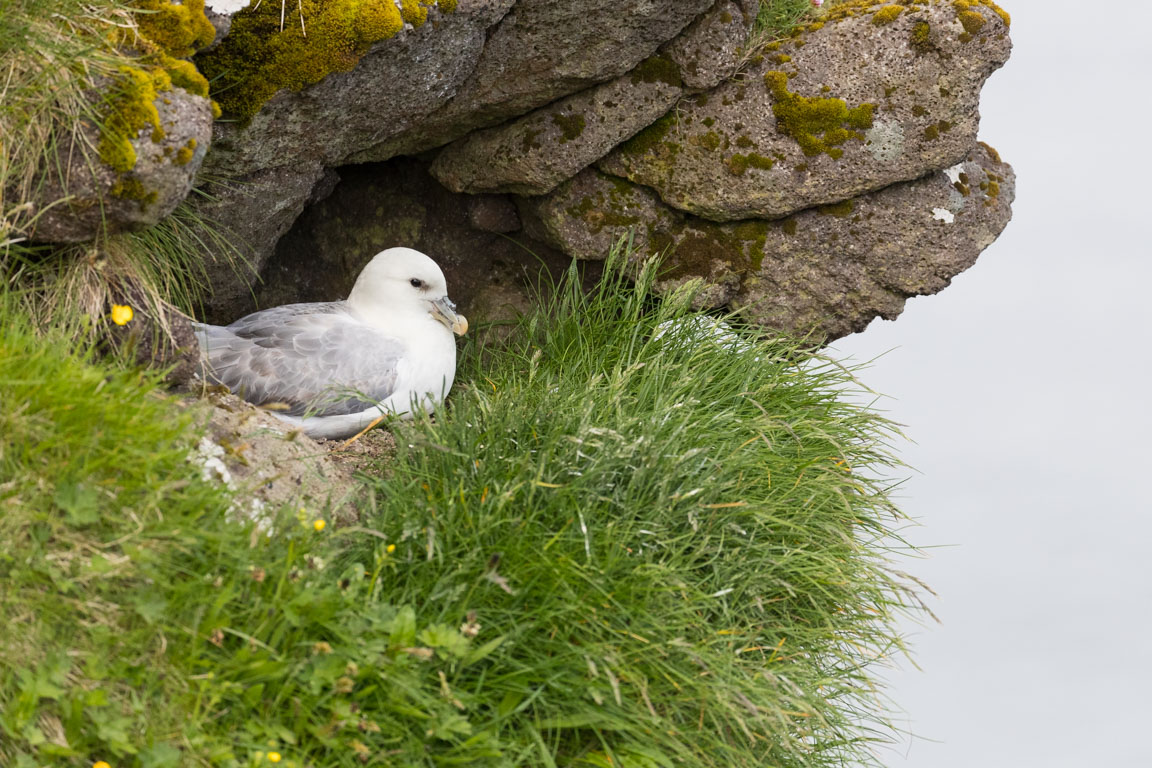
x=315 y=359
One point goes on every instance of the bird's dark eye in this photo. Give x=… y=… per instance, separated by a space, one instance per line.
x=416 y=282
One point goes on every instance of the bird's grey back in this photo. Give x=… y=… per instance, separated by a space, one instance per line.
x=308 y=359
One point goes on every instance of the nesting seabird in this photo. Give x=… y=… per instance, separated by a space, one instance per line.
x=332 y=368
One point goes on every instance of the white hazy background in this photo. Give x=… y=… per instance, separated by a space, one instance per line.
x=1025 y=386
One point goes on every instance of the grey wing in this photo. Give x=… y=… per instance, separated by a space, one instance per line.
x=311 y=359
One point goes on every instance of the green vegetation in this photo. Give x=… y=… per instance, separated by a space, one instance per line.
x=626 y=543
x=266 y=51
x=56 y=54
x=819 y=125
x=777 y=19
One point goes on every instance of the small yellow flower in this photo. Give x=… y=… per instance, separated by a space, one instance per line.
x=390 y=548
x=273 y=757
x=319 y=525
x=121 y=315
x=101 y=763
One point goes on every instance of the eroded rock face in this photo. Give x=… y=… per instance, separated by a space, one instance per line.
x=709 y=51
x=102 y=201
x=543 y=50
x=860 y=102
x=487 y=61
x=827 y=270
x=533 y=154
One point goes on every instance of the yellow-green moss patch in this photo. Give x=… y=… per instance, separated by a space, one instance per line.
x=657 y=69
x=413 y=12
x=131 y=188
x=651 y=137
x=257 y=59
x=130 y=109
x=921 y=37
x=841 y=210
x=185 y=154
x=738 y=164
x=887 y=14
x=178 y=29
x=819 y=125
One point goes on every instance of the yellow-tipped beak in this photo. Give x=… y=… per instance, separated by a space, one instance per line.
x=445 y=311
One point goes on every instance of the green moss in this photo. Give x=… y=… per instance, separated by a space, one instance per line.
x=701 y=99
x=185 y=75
x=657 y=69
x=529 y=142
x=788 y=226
x=931 y=133
x=991 y=152
x=178 y=29
x=651 y=137
x=887 y=14
x=918 y=111
x=781 y=58
x=131 y=188
x=709 y=122
x=962 y=188
x=841 y=210
x=973 y=21
x=738 y=164
x=744 y=142
x=921 y=37
x=818 y=125
x=710 y=141
x=571 y=126
x=257 y=59
x=130 y=109
x=413 y=12
x=185 y=154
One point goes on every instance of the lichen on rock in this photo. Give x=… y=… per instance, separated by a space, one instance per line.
x=319 y=37
x=834 y=111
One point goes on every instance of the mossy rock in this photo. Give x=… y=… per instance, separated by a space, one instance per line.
x=149 y=148
x=826 y=271
x=868 y=98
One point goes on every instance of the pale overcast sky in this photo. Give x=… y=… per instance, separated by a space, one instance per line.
x=1025 y=387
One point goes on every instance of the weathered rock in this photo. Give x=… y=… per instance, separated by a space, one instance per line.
x=420 y=89
x=490 y=276
x=492 y=213
x=533 y=154
x=708 y=51
x=102 y=201
x=853 y=105
x=245 y=218
x=394 y=87
x=543 y=50
x=253 y=452
x=827 y=271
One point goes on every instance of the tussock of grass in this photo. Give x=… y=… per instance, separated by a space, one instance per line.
x=615 y=548
x=777 y=18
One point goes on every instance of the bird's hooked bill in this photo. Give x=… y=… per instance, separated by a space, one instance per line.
x=445 y=311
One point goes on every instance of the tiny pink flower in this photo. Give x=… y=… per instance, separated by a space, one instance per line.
x=817 y=3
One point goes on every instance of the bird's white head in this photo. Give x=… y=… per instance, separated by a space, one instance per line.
x=403 y=281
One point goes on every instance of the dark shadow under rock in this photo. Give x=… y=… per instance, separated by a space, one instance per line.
x=491 y=276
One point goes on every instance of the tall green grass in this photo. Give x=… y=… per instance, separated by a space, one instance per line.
x=621 y=545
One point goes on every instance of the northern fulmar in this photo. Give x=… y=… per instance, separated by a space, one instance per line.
x=332 y=368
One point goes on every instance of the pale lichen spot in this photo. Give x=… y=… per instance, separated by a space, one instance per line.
x=954 y=173
x=944 y=215
x=885 y=140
